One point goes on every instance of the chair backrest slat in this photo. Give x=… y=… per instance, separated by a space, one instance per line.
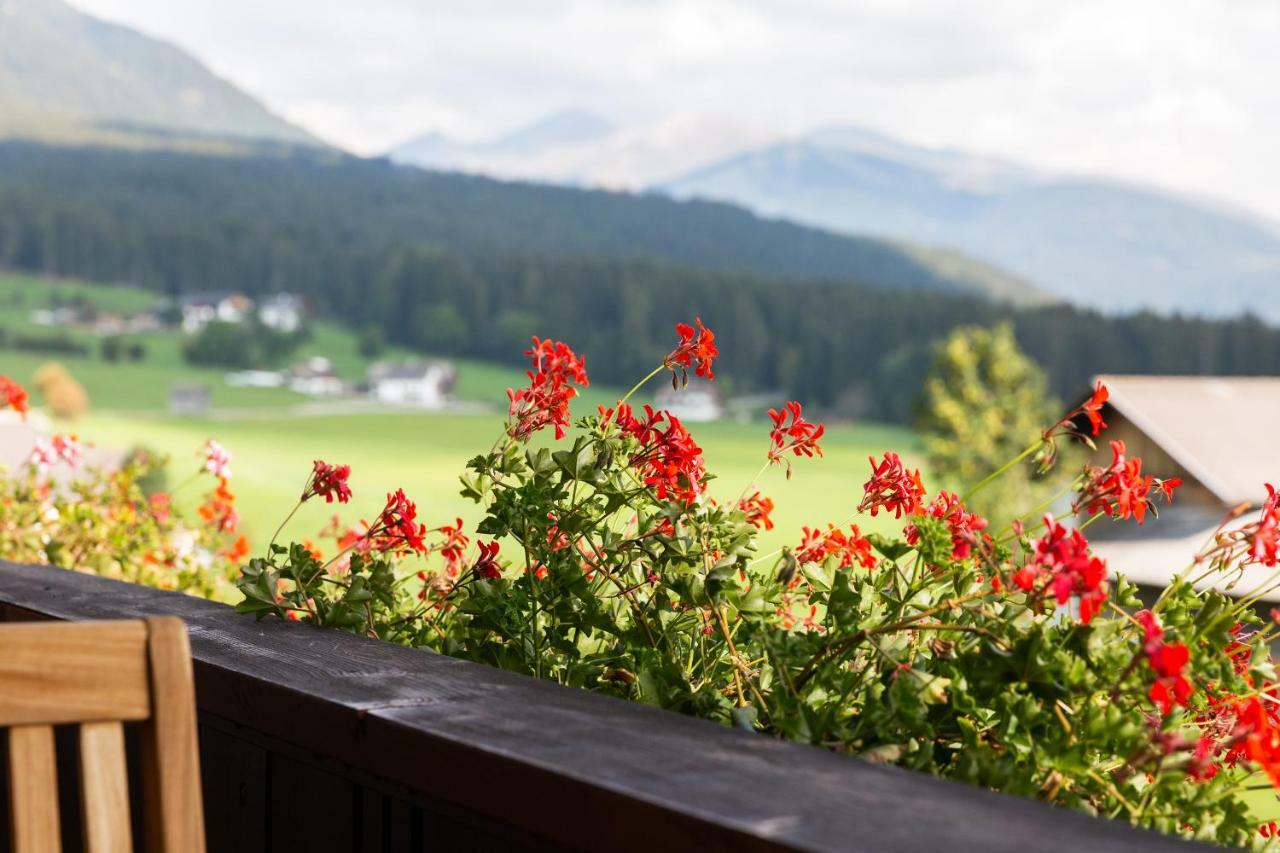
x=174 y=817
x=73 y=672
x=33 y=790
x=104 y=788
x=101 y=675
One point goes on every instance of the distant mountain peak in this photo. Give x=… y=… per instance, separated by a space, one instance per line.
x=571 y=126
x=67 y=76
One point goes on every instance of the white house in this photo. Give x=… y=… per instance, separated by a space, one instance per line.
x=200 y=309
x=282 y=312
x=315 y=377
x=427 y=385
x=697 y=402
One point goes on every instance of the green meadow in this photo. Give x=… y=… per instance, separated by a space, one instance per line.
x=424 y=453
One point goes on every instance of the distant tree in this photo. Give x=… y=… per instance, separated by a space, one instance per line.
x=229 y=345
x=65 y=396
x=372 y=341
x=984 y=402
x=136 y=351
x=442 y=329
x=110 y=349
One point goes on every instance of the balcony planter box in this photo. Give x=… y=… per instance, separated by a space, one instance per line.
x=317 y=740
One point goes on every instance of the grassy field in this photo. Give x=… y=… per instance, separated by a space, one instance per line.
x=275 y=441
x=425 y=453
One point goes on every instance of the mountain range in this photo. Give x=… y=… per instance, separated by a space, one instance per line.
x=68 y=77
x=1101 y=243
x=963 y=222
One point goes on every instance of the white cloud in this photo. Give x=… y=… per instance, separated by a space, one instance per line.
x=1176 y=93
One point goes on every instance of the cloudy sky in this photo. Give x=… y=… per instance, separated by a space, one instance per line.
x=1179 y=93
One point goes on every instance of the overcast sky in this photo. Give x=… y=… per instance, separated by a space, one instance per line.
x=1180 y=93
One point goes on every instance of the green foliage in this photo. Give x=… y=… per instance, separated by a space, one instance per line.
x=238 y=346
x=984 y=401
x=974 y=651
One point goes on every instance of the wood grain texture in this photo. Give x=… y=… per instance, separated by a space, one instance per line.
x=33 y=790
x=170 y=745
x=104 y=788
x=53 y=674
x=500 y=758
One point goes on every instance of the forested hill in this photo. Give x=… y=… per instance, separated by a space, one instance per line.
x=279 y=208
x=422 y=268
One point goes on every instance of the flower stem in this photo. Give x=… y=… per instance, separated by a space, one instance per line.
x=1002 y=470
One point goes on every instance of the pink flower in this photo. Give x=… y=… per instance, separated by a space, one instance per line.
x=217 y=460
x=61 y=448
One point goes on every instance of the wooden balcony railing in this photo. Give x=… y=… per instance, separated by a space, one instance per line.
x=314 y=740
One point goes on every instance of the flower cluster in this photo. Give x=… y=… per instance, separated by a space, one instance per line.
x=1264 y=540
x=799 y=437
x=1121 y=490
x=397 y=529
x=892 y=487
x=13 y=395
x=556 y=369
x=217 y=460
x=328 y=482
x=1167 y=661
x=757 y=508
x=219 y=508
x=948 y=646
x=849 y=549
x=1061 y=563
x=966 y=527
x=46 y=453
x=696 y=349
x=669 y=460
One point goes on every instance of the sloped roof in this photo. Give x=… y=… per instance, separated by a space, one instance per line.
x=1221 y=429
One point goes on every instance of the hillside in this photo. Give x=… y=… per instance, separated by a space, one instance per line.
x=69 y=77
x=1102 y=244
x=470 y=268
x=308 y=202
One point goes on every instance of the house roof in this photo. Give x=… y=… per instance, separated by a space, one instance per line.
x=1220 y=429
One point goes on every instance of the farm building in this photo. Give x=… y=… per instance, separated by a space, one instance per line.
x=697 y=402
x=426 y=385
x=315 y=377
x=1217 y=434
x=282 y=312
x=200 y=309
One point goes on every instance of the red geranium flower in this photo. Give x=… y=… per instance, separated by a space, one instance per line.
x=1092 y=408
x=13 y=395
x=1264 y=541
x=487 y=566
x=669 y=460
x=328 y=482
x=892 y=487
x=1061 y=563
x=397 y=529
x=556 y=369
x=965 y=526
x=1121 y=490
x=800 y=437
x=697 y=349
x=757 y=509
x=850 y=548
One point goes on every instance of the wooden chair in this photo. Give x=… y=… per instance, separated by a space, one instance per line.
x=101 y=675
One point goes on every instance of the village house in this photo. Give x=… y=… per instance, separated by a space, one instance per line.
x=315 y=377
x=200 y=309
x=426 y=385
x=1217 y=435
x=282 y=312
x=697 y=402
